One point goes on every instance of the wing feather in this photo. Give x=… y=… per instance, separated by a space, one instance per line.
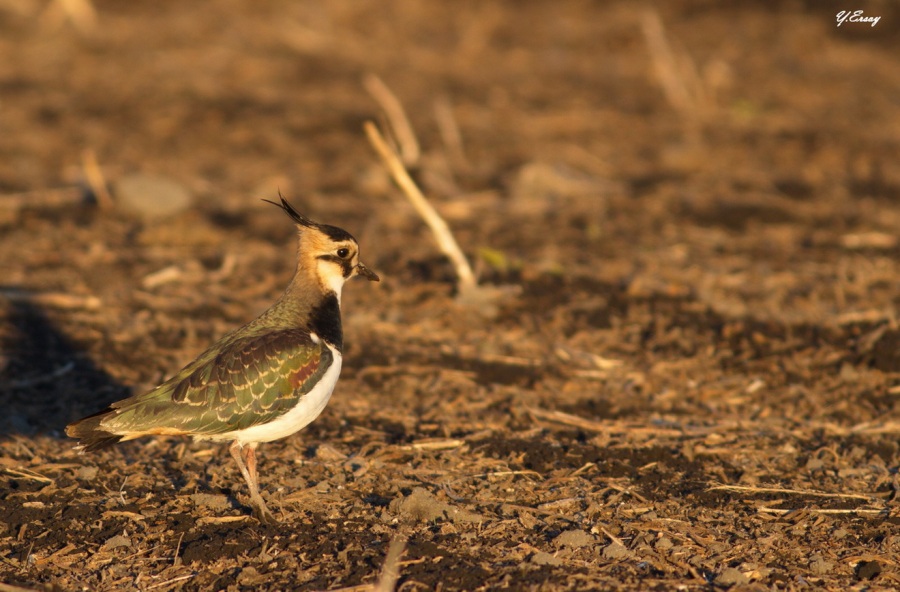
x=252 y=381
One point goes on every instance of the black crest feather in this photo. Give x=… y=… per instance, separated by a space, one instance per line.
x=290 y=211
x=333 y=232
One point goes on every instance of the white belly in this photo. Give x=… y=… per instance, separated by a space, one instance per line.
x=307 y=409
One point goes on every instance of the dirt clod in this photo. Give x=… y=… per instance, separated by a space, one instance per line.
x=731 y=576
x=211 y=501
x=544 y=558
x=574 y=539
x=422 y=506
x=615 y=551
x=116 y=542
x=820 y=566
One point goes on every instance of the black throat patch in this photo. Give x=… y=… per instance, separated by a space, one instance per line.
x=325 y=321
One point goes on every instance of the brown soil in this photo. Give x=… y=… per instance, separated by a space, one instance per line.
x=696 y=386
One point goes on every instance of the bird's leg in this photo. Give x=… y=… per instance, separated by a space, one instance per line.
x=245 y=457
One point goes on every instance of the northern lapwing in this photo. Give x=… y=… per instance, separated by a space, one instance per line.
x=259 y=383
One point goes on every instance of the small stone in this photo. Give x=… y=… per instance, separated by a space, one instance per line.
x=421 y=506
x=815 y=464
x=116 y=542
x=151 y=196
x=250 y=576
x=328 y=453
x=819 y=566
x=542 y=558
x=731 y=577
x=664 y=544
x=615 y=550
x=211 y=501
x=848 y=373
x=717 y=547
x=574 y=539
x=86 y=473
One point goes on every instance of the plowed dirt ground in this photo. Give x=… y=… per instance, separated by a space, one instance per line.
x=692 y=384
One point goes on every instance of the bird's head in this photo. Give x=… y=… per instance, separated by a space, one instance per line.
x=330 y=251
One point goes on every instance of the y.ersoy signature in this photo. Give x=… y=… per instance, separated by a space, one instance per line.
x=856 y=16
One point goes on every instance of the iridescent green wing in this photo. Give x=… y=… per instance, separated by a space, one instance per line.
x=250 y=382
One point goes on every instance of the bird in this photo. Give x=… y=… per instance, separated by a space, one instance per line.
x=261 y=382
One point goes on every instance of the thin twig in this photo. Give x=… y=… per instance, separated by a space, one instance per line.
x=781 y=511
x=613 y=537
x=598 y=426
x=434 y=445
x=626 y=491
x=26 y=474
x=678 y=77
x=438 y=227
x=449 y=129
x=393 y=108
x=11 y=588
x=175 y=559
x=508 y=474
x=81 y=13
x=122 y=491
x=221 y=519
x=874 y=428
x=172 y=581
x=124 y=514
x=52 y=299
x=53 y=197
x=808 y=492
x=96 y=180
x=390 y=572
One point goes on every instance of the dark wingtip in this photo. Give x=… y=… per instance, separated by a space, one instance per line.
x=97 y=442
x=90 y=435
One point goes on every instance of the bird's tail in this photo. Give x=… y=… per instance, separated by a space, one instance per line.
x=90 y=434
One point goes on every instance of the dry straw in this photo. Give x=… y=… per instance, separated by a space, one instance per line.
x=483 y=299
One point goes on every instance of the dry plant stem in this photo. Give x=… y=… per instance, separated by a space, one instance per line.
x=390 y=573
x=172 y=581
x=450 y=134
x=409 y=145
x=52 y=299
x=11 y=588
x=597 y=426
x=26 y=474
x=52 y=197
x=81 y=12
x=743 y=488
x=438 y=227
x=678 y=77
x=780 y=511
x=95 y=179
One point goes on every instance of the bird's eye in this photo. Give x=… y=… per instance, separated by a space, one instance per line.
x=343 y=252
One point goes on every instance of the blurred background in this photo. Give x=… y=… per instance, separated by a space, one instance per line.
x=696 y=205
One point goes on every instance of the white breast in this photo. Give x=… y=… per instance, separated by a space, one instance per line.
x=307 y=409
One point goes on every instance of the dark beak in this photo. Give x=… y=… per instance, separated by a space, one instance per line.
x=367 y=273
